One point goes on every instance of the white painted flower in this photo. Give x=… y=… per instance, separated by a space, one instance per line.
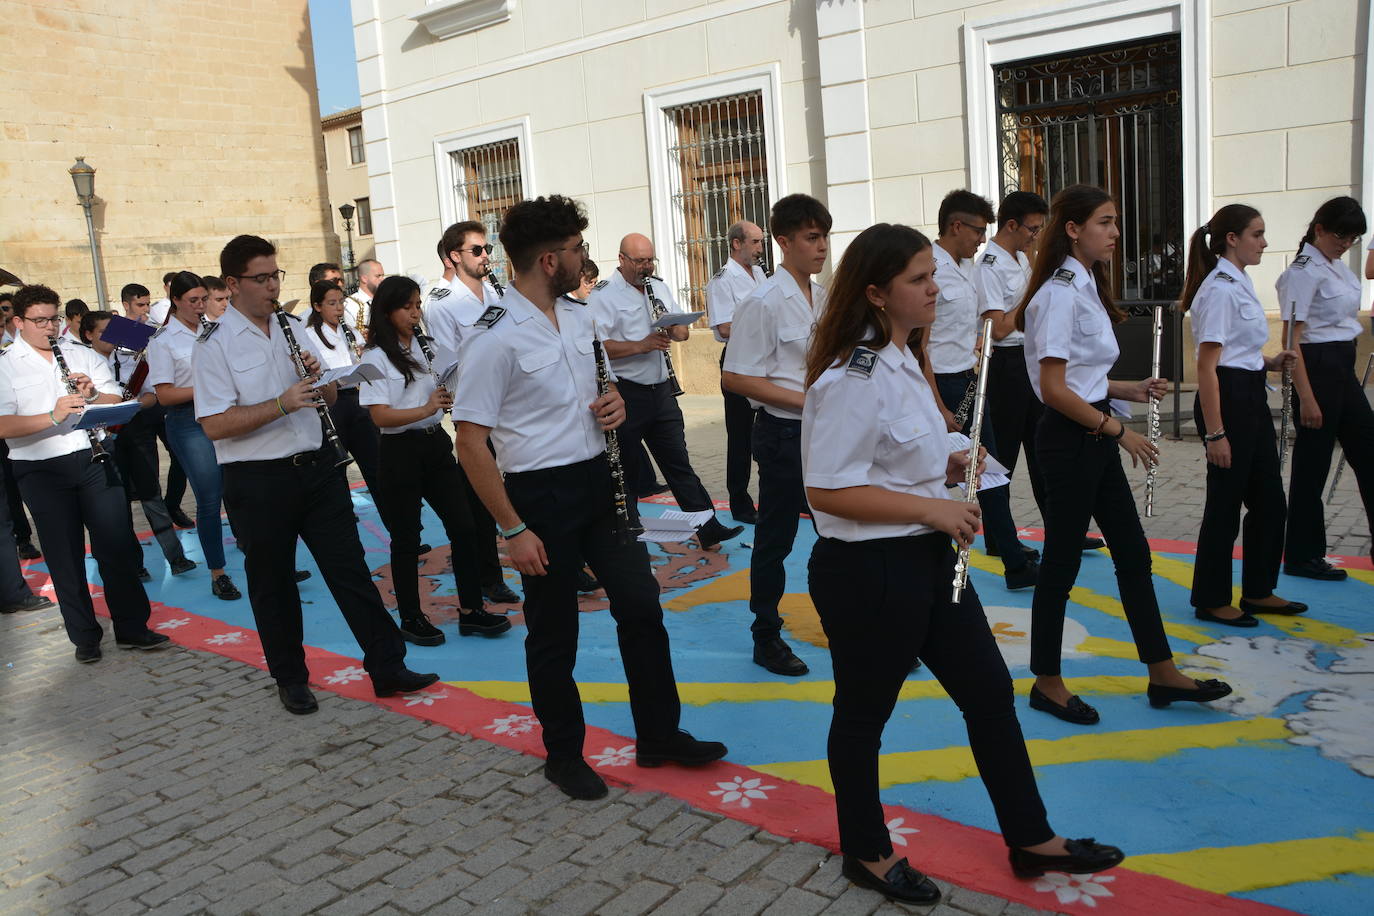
x=513 y=724
x=226 y=639
x=615 y=756
x=742 y=791
x=426 y=699
x=897 y=833
x=346 y=675
x=1074 y=888
x=174 y=623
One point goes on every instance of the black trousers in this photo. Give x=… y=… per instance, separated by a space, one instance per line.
x=739 y=430
x=782 y=499
x=998 y=525
x=1014 y=412
x=570 y=508
x=419 y=465
x=1084 y=479
x=1347 y=419
x=652 y=416
x=883 y=604
x=135 y=453
x=360 y=436
x=70 y=496
x=272 y=504
x=22 y=529
x=1251 y=481
x=13 y=588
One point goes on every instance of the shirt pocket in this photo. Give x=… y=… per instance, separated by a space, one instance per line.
x=584 y=346
x=532 y=363
x=1088 y=324
x=910 y=448
x=794 y=332
x=1251 y=311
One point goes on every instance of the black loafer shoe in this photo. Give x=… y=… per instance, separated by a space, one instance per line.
x=1243 y=621
x=424 y=549
x=145 y=640
x=713 y=532
x=1292 y=607
x=775 y=655
x=401 y=681
x=902 y=882
x=302 y=575
x=993 y=550
x=586 y=582
x=1091 y=543
x=500 y=593
x=1207 y=691
x=416 y=628
x=144 y=575
x=681 y=749
x=574 y=778
x=27 y=551
x=1077 y=712
x=1084 y=857
x=180 y=518
x=297 y=699
x=482 y=622
x=1315 y=569
x=744 y=514
x=31 y=603
x=87 y=654
x=1025 y=577
x=182 y=565
x=223 y=588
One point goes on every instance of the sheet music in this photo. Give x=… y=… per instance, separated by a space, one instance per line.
x=673 y=526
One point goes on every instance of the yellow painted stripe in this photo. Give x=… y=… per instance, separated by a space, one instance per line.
x=731 y=587
x=1362 y=575
x=1235 y=869
x=950 y=764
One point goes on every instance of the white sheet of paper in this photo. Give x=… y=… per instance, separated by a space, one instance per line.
x=1121 y=408
x=673 y=319
x=350 y=376
x=673 y=526
x=100 y=415
x=995 y=474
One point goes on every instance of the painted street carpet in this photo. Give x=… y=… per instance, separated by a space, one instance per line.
x=1263 y=801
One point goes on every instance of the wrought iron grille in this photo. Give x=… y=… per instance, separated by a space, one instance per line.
x=1112 y=117
x=719 y=175
x=489 y=182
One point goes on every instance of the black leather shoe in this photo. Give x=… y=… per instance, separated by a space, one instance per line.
x=680 y=748
x=424 y=549
x=902 y=882
x=1025 y=577
x=500 y=593
x=297 y=699
x=586 y=582
x=574 y=778
x=654 y=489
x=145 y=640
x=775 y=655
x=1207 y=691
x=87 y=654
x=993 y=550
x=27 y=551
x=416 y=628
x=713 y=532
x=1085 y=857
x=180 y=518
x=31 y=603
x=482 y=622
x=1077 y=712
x=401 y=681
x=144 y=575
x=1092 y=543
x=302 y=575
x=182 y=565
x=745 y=513
x=1292 y=607
x=224 y=589
x=1243 y=621
x=1315 y=569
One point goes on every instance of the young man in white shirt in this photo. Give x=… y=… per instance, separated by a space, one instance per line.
x=134 y=300
x=358 y=307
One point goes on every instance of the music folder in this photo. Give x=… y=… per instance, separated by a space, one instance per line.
x=97 y=416
x=128 y=334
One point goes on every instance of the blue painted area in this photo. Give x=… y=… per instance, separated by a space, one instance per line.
x=1346 y=895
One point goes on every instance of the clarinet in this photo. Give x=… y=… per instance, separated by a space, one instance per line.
x=350 y=340
x=98 y=453
x=424 y=342
x=496 y=284
x=659 y=310
x=1154 y=414
x=330 y=433
x=975 y=442
x=1286 y=389
x=626 y=531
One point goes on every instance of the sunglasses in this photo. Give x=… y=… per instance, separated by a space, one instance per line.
x=477 y=250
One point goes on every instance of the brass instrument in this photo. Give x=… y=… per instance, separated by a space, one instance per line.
x=1154 y=414
x=1286 y=410
x=1340 y=465
x=424 y=341
x=658 y=309
x=975 y=442
x=626 y=528
x=98 y=453
x=331 y=434
x=351 y=340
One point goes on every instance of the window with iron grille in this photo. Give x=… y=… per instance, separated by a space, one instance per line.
x=356 y=151
x=717 y=175
x=487 y=183
x=364 y=205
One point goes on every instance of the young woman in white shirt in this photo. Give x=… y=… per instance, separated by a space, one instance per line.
x=339 y=345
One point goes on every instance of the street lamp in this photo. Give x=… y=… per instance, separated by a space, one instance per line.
x=346 y=211
x=83 y=177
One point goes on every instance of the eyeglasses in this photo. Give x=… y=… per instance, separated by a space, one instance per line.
x=1033 y=230
x=51 y=321
x=977 y=230
x=263 y=279
x=580 y=246
x=477 y=250
x=1352 y=239
x=639 y=262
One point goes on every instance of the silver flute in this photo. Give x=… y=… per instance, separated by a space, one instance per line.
x=1340 y=465
x=965 y=405
x=975 y=441
x=659 y=310
x=626 y=531
x=424 y=341
x=1286 y=389
x=1153 y=411
x=98 y=452
x=331 y=434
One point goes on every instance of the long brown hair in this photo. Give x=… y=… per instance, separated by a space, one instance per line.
x=1074 y=204
x=1203 y=255
x=876 y=256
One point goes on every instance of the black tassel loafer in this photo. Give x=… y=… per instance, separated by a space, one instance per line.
x=1292 y=607
x=1077 y=712
x=1205 y=692
x=902 y=882
x=1243 y=621
x=1084 y=857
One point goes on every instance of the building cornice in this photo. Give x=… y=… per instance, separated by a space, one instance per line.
x=444 y=20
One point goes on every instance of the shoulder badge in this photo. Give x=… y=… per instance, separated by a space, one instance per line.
x=989 y=258
x=1225 y=276
x=493 y=314
x=718 y=274
x=861 y=362
x=205 y=333
x=439 y=292
x=602 y=285
x=1063 y=276
x=1301 y=260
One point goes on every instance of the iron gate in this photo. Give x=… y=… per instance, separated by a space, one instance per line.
x=489 y=182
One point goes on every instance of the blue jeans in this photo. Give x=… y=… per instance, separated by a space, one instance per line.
x=196 y=453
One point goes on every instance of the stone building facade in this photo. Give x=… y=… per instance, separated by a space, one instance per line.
x=345 y=160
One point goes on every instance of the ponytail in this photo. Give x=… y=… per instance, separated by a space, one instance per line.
x=1203 y=255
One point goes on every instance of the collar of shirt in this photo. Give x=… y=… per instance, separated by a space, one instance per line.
x=790 y=290
x=1240 y=275
x=944 y=258
x=1082 y=277
x=744 y=273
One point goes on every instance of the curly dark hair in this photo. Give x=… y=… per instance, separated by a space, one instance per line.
x=532 y=227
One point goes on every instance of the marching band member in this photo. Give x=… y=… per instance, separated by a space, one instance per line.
x=65 y=485
x=219 y=297
x=134 y=299
x=357 y=307
x=325 y=270
x=881 y=569
x=529 y=383
x=767 y=364
x=587 y=281
x=158 y=311
x=1234 y=420
x=338 y=345
x=1322 y=295
x=1067 y=320
x=280 y=485
x=417 y=464
x=170 y=374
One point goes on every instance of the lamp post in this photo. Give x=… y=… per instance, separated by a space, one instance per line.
x=83 y=177
x=346 y=211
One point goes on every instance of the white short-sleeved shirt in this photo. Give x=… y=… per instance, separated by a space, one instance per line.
x=731 y=285
x=1226 y=311
x=1326 y=294
x=169 y=355
x=30 y=384
x=770 y=334
x=532 y=385
x=896 y=442
x=452 y=310
x=1000 y=279
x=1066 y=320
x=358 y=302
x=393 y=391
x=331 y=344
x=622 y=312
x=123 y=364
x=159 y=310
x=955 y=331
x=239 y=366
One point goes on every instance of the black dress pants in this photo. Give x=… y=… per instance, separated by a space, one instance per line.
x=13 y=588
x=883 y=604
x=359 y=435
x=652 y=416
x=1347 y=419
x=272 y=504
x=571 y=509
x=782 y=499
x=69 y=496
x=1085 y=480
x=22 y=530
x=739 y=430
x=419 y=465
x=1251 y=481
x=1014 y=412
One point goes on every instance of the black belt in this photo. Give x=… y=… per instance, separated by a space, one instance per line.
x=300 y=459
x=965 y=374
x=557 y=471
x=763 y=414
x=425 y=431
x=624 y=381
